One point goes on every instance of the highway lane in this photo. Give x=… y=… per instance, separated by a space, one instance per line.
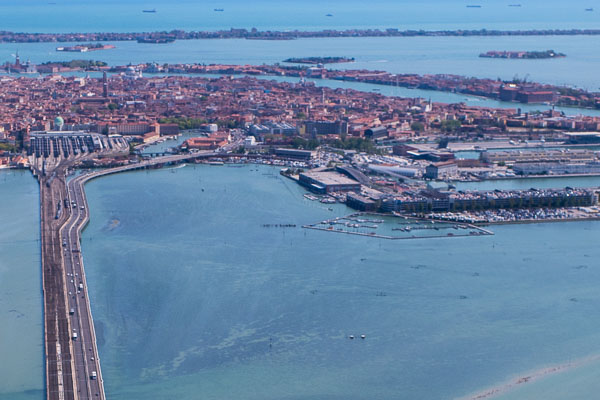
x=85 y=352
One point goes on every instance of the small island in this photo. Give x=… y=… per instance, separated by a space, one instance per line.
x=52 y=67
x=319 y=60
x=83 y=48
x=523 y=54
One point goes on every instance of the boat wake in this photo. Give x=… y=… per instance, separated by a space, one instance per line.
x=530 y=377
x=179 y=166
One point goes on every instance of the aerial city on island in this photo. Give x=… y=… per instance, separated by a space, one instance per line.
x=366 y=165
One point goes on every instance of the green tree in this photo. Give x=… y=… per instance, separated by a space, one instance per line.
x=450 y=125
x=417 y=126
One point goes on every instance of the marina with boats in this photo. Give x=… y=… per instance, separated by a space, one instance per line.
x=397 y=227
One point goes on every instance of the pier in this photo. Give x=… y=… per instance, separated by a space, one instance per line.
x=351 y=225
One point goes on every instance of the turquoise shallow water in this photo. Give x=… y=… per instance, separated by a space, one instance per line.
x=192 y=297
x=21 y=330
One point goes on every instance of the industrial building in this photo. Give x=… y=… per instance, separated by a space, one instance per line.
x=538 y=156
x=327 y=181
x=441 y=170
x=293 y=154
x=437 y=201
x=556 y=168
x=360 y=202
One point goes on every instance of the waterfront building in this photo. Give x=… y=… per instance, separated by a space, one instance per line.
x=132 y=73
x=556 y=168
x=167 y=129
x=514 y=92
x=444 y=201
x=205 y=143
x=360 y=202
x=293 y=154
x=441 y=170
x=538 y=156
x=328 y=181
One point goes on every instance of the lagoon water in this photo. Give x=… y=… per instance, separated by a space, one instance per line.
x=193 y=298
x=424 y=55
x=21 y=326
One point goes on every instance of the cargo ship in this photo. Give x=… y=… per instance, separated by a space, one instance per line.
x=150 y=11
